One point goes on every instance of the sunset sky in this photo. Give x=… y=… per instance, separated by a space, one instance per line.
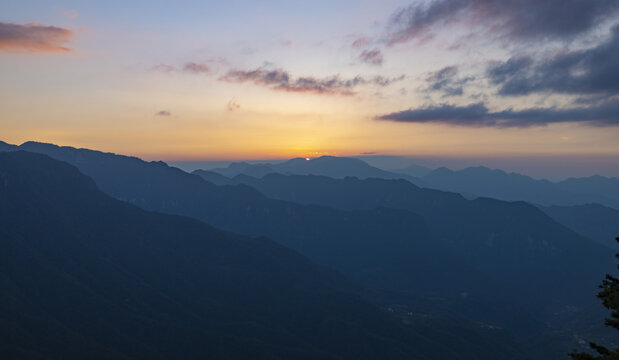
x=229 y=80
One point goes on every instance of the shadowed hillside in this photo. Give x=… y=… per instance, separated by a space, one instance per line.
x=88 y=276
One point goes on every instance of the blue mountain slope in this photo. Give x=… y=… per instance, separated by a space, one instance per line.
x=501 y=185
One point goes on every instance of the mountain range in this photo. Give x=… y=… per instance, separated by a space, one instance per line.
x=413 y=247
x=498 y=184
x=470 y=182
x=331 y=166
x=88 y=276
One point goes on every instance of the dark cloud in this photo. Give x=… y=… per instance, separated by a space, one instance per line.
x=478 y=115
x=33 y=38
x=280 y=80
x=373 y=57
x=517 y=19
x=196 y=68
x=500 y=72
x=586 y=72
x=446 y=81
x=163 y=113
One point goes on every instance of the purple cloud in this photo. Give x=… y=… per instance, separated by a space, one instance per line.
x=33 y=38
x=373 y=57
x=196 y=68
x=280 y=80
x=361 y=42
x=187 y=68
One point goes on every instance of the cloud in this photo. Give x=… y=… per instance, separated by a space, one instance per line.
x=586 y=72
x=446 y=81
x=478 y=115
x=195 y=68
x=361 y=42
x=70 y=14
x=280 y=80
x=164 y=68
x=516 y=19
x=163 y=113
x=33 y=38
x=372 y=57
x=232 y=105
x=187 y=68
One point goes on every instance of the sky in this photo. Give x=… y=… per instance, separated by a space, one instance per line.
x=472 y=82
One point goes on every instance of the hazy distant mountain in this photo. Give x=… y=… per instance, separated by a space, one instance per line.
x=594 y=221
x=501 y=185
x=514 y=240
x=335 y=167
x=87 y=276
x=600 y=189
x=236 y=168
x=414 y=170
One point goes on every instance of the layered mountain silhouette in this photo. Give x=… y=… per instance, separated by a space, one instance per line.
x=471 y=182
x=331 y=166
x=498 y=184
x=88 y=276
x=414 y=170
x=512 y=240
x=481 y=257
x=381 y=248
x=474 y=245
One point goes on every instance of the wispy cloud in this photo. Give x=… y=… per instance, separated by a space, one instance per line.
x=372 y=57
x=33 y=38
x=478 y=115
x=516 y=19
x=232 y=105
x=70 y=14
x=163 y=113
x=187 y=68
x=361 y=42
x=164 y=68
x=195 y=68
x=280 y=80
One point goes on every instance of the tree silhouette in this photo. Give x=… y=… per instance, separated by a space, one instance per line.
x=609 y=295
